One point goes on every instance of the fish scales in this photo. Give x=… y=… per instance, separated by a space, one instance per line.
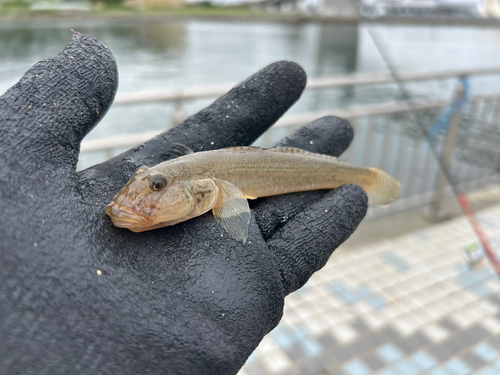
x=265 y=172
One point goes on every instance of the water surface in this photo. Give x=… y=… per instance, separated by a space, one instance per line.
x=155 y=55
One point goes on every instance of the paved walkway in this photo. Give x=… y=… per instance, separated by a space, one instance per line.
x=409 y=305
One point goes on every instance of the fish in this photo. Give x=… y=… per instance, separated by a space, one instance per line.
x=223 y=180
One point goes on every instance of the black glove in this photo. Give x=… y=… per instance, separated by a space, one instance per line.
x=79 y=295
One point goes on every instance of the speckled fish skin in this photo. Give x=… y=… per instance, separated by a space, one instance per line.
x=222 y=180
x=261 y=172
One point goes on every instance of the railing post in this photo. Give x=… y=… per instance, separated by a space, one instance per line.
x=179 y=115
x=109 y=153
x=435 y=213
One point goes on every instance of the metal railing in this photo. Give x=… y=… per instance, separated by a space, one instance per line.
x=394 y=143
x=178 y=95
x=387 y=136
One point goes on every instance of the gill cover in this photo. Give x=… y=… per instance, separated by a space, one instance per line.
x=182 y=200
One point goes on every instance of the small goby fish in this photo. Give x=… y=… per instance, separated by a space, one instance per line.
x=222 y=181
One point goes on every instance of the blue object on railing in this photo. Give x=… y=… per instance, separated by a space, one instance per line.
x=441 y=125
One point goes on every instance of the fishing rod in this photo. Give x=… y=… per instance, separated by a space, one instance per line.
x=442 y=164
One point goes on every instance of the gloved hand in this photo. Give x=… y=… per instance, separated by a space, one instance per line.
x=78 y=295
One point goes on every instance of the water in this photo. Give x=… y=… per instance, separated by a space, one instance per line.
x=154 y=55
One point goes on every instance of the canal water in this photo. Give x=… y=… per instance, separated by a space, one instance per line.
x=155 y=55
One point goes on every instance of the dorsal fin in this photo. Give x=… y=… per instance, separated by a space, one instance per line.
x=293 y=150
x=286 y=150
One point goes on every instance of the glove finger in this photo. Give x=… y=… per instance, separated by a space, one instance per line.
x=59 y=100
x=327 y=135
x=305 y=243
x=237 y=118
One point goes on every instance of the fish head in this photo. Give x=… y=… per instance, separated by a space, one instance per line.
x=154 y=199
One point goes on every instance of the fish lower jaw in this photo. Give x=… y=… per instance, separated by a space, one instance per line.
x=137 y=228
x=126 y=217
x=133 y=226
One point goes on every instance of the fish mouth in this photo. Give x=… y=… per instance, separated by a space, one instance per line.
x=125 y=217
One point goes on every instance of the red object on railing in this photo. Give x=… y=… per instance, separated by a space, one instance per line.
x=483 y=239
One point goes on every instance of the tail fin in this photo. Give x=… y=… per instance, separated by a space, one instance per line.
x=384 y=188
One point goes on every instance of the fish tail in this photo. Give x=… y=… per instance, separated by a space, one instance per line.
x=383 y=188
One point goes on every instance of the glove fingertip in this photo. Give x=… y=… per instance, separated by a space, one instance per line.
x=59 y=100
x=291 y=72
x=327 y=135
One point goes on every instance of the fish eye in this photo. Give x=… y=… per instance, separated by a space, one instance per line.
x=157 y=182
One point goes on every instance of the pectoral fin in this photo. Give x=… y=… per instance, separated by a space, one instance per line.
x=232 y=211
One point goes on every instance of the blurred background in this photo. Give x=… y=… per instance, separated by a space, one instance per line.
x=414 y=290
